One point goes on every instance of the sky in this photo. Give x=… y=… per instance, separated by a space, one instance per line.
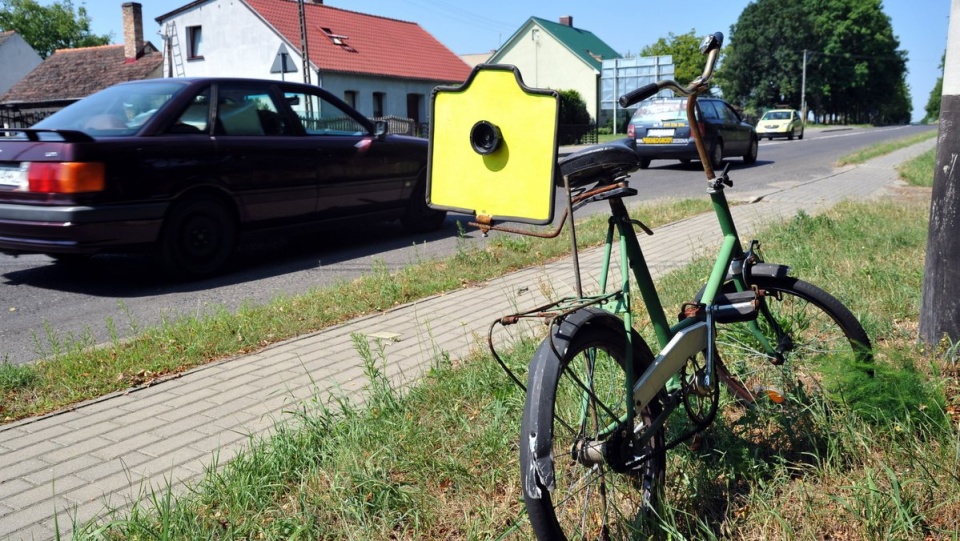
x=476 y=27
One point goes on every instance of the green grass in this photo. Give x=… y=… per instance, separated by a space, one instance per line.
x=77 y=371
x=438 y=461
x=885 y=148
x=919 y=172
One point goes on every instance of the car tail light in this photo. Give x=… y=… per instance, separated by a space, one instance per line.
x=66 y=177
x=703 y=128
x=631 y=130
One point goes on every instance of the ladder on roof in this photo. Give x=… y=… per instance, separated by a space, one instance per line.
x=304 y=47
x=173 y=53
x=305 y=54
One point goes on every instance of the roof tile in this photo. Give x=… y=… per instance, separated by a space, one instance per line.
x=70 y=74
x=374 y=45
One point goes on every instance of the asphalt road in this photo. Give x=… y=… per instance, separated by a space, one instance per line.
x=45 y=307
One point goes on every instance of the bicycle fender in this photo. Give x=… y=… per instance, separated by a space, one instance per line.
x=544 y=371
x=770 y=270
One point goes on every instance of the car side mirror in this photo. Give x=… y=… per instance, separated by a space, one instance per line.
x=380 y=128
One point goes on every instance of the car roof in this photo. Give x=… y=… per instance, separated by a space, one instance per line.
x=193 y=81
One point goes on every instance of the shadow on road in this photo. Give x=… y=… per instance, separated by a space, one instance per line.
x=259 y=257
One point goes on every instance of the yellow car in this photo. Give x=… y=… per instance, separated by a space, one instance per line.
x=780 y=123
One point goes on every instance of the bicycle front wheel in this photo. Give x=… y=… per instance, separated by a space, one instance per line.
x=586 y=475
x=805 y=329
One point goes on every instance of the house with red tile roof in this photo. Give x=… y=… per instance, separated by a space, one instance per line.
x=381 y=66
x=17 y=57
x=558 y=55
x=69 y=75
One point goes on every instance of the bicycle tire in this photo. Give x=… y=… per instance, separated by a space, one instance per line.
x=817 y=326
x=575 y=500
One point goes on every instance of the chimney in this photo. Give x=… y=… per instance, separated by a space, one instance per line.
x=567 y=20
x=132 y=31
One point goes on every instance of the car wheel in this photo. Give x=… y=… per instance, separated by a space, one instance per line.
x=790 y=135
x=644 y=163
x=751 y=155
x=716 y=154
x=684 y=161
x=801 y=134
x=419 y=217
x=199 y=236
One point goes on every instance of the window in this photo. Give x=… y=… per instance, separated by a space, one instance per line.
x=710 y=111
x=350 y=96
x=195 y=118
x=414 y=106
x=378 y=104
x=320 y=117
x=194 y=43
x=247 y=110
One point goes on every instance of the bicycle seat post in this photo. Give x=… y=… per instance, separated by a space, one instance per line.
x=573 y=237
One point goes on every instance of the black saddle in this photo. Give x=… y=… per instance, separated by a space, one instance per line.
x=601 y=163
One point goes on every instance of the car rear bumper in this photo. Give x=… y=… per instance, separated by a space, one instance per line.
x=77 y=229
x=667 y=151
x=773 y=132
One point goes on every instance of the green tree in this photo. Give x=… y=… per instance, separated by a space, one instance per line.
x=932 y=108
x=855 y=69
x=763 y=60
x=51 y=27
x=685 y=50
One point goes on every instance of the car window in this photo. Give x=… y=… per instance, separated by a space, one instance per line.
x=322 y=117
x=248 y=110
x=195 y=119
x=661 y=111
x=115 y=111
x=709 y=109
x=726 y=112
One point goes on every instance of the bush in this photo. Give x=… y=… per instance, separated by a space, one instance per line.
x=573 y=110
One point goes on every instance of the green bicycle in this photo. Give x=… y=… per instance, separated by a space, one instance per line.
x=592 y=448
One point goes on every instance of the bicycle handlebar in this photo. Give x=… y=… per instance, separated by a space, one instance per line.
x=710 y=46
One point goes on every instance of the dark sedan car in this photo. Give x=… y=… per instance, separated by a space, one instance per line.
x=660 y=129
x=184 y=166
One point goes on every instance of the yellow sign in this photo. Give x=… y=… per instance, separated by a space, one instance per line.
x=657 y=140
x=493 y=147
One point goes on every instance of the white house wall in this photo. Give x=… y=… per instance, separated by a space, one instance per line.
x=547 y=63
x=238 y=43
x=17 y=59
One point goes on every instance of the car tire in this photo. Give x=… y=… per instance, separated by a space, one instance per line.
x=791 y=134
x=419 y=217
x=644 y=163
x=801 y=134
x=751 y=155
x=198 y=237
x=716 y=154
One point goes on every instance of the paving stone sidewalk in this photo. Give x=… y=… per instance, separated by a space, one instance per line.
x=109 y=451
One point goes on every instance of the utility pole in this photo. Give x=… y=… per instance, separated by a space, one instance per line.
x=803 y=89
x=940 y=304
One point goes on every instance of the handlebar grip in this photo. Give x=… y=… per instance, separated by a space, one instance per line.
x=711 y=42
x=639 y=94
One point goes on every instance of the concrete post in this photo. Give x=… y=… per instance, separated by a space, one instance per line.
x=940 y=305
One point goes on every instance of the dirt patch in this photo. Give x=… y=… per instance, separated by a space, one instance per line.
x=909 y=194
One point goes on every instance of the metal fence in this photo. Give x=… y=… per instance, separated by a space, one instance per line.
x=14 y=118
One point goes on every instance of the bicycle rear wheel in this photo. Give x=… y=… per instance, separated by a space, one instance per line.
x=816 y=329
x=576 y=403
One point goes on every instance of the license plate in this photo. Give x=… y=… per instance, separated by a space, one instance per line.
x=659 y=132
x=12 y=176
x=657 y=140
